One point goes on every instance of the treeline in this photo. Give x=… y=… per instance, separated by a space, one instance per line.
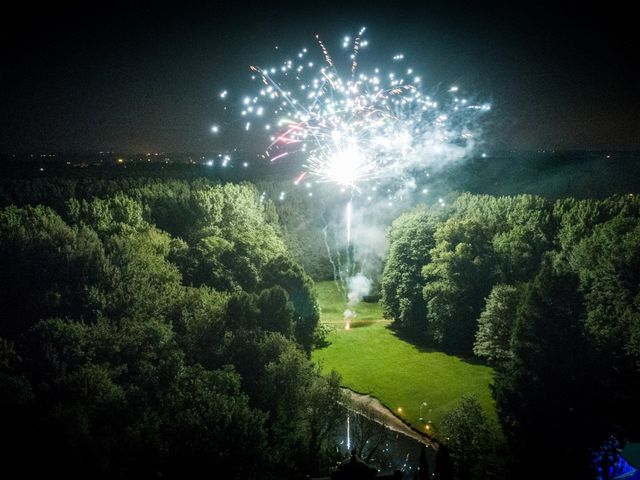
x=546 y=293
x=156 y=329
x=301 y=218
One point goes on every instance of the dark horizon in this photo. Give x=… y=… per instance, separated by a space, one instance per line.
x=480 y=153
x=147 y=78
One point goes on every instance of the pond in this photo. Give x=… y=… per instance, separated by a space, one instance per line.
x=380 y=447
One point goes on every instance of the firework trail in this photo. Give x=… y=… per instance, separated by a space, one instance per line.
x=337 y=275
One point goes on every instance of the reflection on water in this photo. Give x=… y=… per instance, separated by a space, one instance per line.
x=380 y=447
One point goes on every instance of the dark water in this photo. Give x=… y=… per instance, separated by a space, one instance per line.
x=397 y=451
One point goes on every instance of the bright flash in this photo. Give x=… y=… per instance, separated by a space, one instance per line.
x=350 y=127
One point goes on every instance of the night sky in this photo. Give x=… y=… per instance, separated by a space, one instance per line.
x=86 y=78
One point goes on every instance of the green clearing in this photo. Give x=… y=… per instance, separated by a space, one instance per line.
x=372 y=359
x=333 y=304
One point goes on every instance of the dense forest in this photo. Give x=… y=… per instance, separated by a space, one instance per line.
x=548 y=293
x=162 y=328
x=156 y=328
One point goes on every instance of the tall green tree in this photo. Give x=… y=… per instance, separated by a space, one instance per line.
x=107 y=216
x=608 y=265
x=143 y=282
x=200 y=325
x=276 y=311
x=457 y=280
x=495 y=325
x=540 y=392
x=411 y=239
x=282 y=271
x=471 y=437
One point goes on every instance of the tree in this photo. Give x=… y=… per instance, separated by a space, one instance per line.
x=411 y=239
x=244 y=224
x=470 y=436
x=142 y=280
x=458 y=279
x=324 y=413
x=211 y=428
x=276 y=311
x=110 y=366
x=300 y=218
x=495 y=325
x=214 y=262
x=176 y=206
x=242 y=312
x=608 y=265
x=200 y=325
x=540 y=392
x=519 y=252
x=287 y=274
x=577 y=219
x=107 y=216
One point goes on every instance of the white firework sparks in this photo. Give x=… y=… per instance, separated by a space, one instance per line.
x=361 y=127
x=358 y=129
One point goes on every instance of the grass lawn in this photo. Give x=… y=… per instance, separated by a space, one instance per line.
x=373 y=360
x=333 y=305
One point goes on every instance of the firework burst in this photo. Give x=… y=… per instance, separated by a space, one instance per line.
x=357 y=128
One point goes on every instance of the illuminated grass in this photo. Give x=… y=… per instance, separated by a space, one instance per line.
x=373 y=360
x=333 y=305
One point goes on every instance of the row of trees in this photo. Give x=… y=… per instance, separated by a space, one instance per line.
x=548 y=294
x=173 y=205
x=160 y=330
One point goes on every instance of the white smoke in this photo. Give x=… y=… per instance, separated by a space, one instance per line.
x=367 y=234
x=357 y=287
x=437 y=155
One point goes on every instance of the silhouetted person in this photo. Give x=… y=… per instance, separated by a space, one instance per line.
x=354 y=469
